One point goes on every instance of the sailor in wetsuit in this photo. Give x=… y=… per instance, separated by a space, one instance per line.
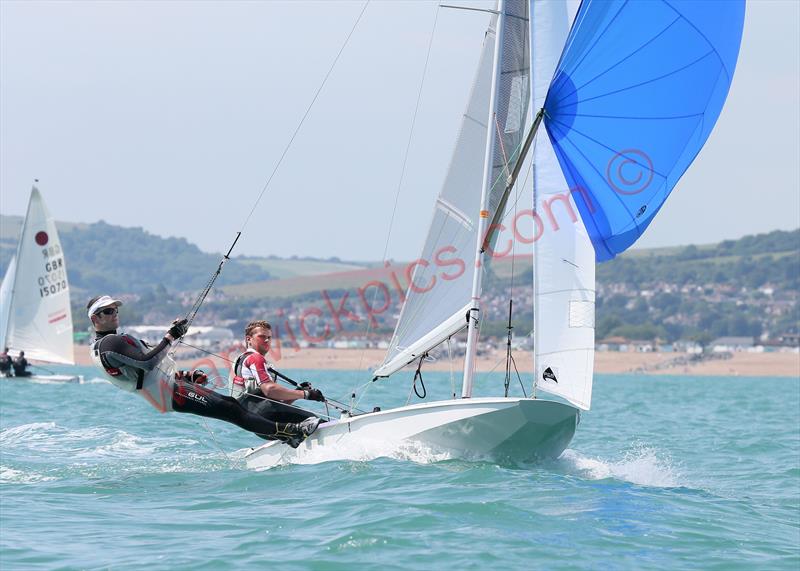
x=134 y=366
x=5 y=362
x=255 y=388
x=20 y=365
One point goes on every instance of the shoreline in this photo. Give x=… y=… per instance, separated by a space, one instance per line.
x=606 y=362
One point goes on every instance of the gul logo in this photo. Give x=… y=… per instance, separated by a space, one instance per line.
x=42 y=238
x=197 y=397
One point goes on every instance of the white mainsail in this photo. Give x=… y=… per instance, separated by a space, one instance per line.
x=438 y=296
x=564 y=258
x=5 y=299
x=35 y=292
x=440 y=292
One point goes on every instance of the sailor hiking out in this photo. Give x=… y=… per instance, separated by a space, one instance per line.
x=5 y=363
x=134 y=366
x=20 y=365
x=254 y=386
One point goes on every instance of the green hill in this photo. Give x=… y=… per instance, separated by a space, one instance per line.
x=104 y=257
x=741 y=287
x=736 y=287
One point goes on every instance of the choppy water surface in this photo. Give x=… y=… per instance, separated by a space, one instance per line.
x=664 y=473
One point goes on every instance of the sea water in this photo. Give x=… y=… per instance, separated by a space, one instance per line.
x=664 y=473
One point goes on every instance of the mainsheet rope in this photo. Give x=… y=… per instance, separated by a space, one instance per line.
x=336 y=404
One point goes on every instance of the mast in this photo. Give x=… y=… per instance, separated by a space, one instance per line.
x=473 y=313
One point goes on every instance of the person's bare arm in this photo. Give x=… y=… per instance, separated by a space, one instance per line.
x=274 y=391
x=269 y=388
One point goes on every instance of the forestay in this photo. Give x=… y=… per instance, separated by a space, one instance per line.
x=439 y=294
x=39 y=316
x=564 y=266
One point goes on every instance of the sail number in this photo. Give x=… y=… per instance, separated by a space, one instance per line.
x=55 y=280
x=52 y=288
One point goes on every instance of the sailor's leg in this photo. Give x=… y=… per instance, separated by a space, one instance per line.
x=195 y=399
x=276 y=411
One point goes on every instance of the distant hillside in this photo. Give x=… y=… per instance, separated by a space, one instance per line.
x=746 y=287
x=751 y=261
x=737 y=287
x=104 y=257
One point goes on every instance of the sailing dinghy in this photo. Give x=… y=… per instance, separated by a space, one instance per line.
x=35 y=314
x=628 y=95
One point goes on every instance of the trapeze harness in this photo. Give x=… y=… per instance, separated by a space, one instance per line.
x=134 y=366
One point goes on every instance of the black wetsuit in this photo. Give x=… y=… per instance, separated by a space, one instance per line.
x=123 y=356
x=277 y=411
x=20 y=365
x=5 y=363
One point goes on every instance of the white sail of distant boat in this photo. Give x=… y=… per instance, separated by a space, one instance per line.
x=35 y=314
x=628 y=93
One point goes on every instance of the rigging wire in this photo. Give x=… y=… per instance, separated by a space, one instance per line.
x=510 y=356
x=205 y=291
x=214 y=438
x=450 y=359
x=305 y=115
x=335 y=403
x=402 y=175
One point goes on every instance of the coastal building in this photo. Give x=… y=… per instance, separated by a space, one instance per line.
x=731 y=344
x=198 y=335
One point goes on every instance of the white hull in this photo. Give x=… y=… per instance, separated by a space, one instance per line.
x=47 y=378
x=511 y=428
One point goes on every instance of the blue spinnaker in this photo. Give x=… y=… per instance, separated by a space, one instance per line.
x=636 y=94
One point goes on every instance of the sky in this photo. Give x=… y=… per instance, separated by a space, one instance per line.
x=171 y=116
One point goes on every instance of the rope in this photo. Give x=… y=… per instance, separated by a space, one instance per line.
x=336 y=403
x=182 y=342
x=214 y=438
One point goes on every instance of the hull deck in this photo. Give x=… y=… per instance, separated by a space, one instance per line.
x=499 y=428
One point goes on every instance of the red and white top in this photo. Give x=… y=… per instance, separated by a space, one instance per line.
x=249 y=371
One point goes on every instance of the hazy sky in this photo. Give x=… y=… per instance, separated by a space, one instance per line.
x=171 y=116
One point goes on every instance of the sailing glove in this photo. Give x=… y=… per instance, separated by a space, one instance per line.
x=197 y=376
x=179 y=328
x=304 y=386
x=314 y=394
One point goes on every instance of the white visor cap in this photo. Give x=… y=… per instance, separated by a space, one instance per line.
x=103 y=301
